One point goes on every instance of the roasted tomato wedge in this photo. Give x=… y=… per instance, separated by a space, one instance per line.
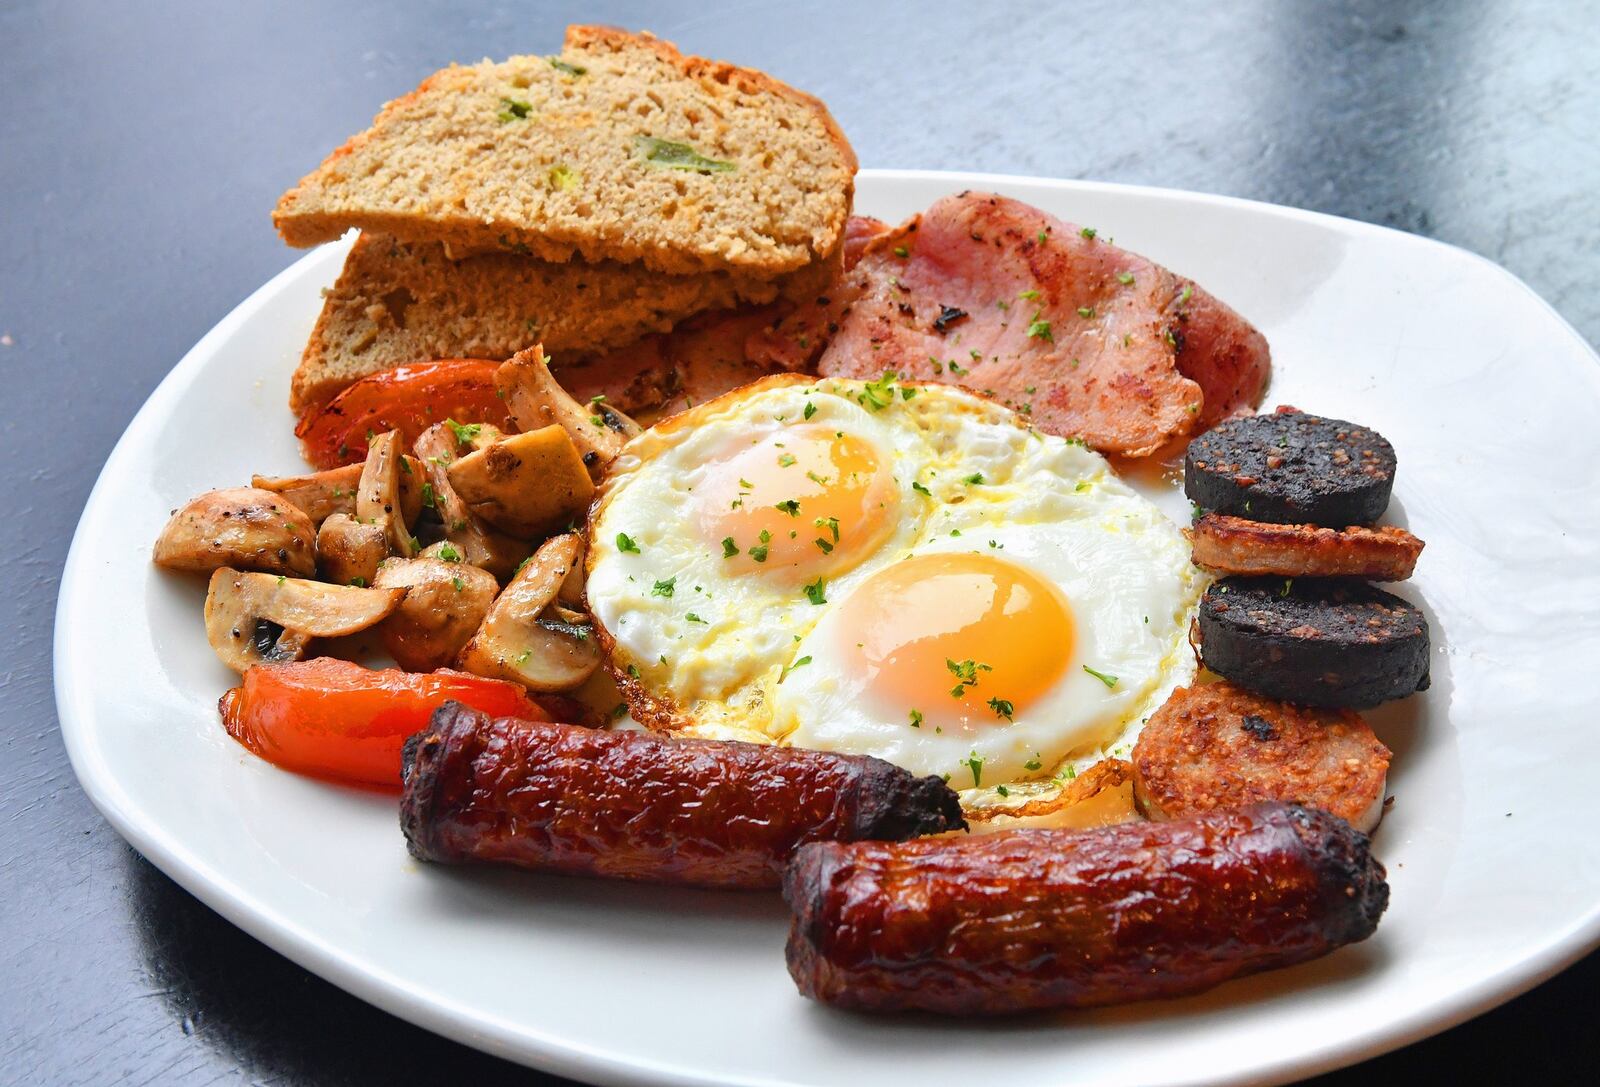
x=333 y=719
x=408 y=398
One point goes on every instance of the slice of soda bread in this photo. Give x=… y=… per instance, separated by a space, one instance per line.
x=619 y=148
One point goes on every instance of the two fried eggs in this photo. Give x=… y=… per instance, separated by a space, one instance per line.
x=905 y=571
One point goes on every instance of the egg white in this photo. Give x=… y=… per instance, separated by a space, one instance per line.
x=1046 y=503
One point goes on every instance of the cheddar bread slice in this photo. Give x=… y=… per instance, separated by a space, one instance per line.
x=400 y=302
x=620 y=148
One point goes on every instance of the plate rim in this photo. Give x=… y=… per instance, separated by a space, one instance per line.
x=533 y=1047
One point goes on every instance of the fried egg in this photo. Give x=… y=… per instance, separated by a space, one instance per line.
x=906 y=571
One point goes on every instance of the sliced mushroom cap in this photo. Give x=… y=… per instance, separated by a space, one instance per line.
x=323 y=494
x=348 y=552
x=536 y=400
x=241 y=527
x=528 y=637
x=253 y=618
x=445 y=603
x=476 y=543
x=527 y=484
x=378 y=494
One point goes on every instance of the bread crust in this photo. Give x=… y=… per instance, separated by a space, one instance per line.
x=324 y=204
x=1234 y=545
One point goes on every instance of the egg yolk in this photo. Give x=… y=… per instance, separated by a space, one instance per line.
x=801 y=501
x=957 y=640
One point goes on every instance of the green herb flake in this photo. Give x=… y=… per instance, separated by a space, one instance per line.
x=464 y=432
x=665 y=588
x=693 y=618
x=729 y=548
x=920 y=489
x=967 y=672
x=458 y=584
x=785 y=460
x=1088 y=233
x=1002 y=708
x=916 y=718
x=626 y=543
x=811 y=409
x=1125 y=278
x=571 y=69
x=633 y=671
x=974 y=762
x=791 y=507
x=677 y=156
x=448 y=553
x=1085 y=311
x=1109 y=681
x=902 y=252
x=825 y=544
x=974 y=479
x=877 y=395
x=817 y=591
x=1033 y=763
x=513 y=109
x=801 y=663
x=1039 y=329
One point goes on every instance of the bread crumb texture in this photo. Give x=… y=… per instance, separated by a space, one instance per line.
x=399 y=302
x=620 y=148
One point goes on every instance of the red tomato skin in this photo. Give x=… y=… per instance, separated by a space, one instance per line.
x=407 y=398
x=332 y=719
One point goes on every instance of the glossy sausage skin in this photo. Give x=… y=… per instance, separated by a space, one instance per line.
x=1063 y=918
x=635 y=805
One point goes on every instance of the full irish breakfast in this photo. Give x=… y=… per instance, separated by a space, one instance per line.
x=665 y=519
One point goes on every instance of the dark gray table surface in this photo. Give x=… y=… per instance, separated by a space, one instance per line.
x=142 y=146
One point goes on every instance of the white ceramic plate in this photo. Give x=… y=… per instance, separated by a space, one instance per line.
x=1491 y=401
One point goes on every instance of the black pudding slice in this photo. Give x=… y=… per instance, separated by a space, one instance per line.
x=1291 y=468
x=1316 y=642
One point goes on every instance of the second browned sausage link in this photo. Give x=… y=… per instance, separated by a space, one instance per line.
x=1059 y=918
x=634 y=805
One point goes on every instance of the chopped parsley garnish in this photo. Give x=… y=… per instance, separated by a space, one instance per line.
x=1041 y=236
x=974 y=479
x=801 y=663
x=901 y=251
x=1033 y=763
x=1186 y=294
x=693 y=618
x=829 y=523
x=729 y=548
x=626 y=543
x=448 y=553
x=1125 y=278
x=811 y=409
x=1088 y=233
x=816 y=591
x=957 y=369
x=1040 y=329
x=877 y=395
x=1109 y=681
x=633 y=671
x=906 y=392
x=664 y=588
x=920 y=489
x=1288 y=586
x=458 y=584
x=359 y=582
x=974 y=763
x=1029 y=295
x=759 y=552
x=428 y=498
x=791 y=507
x=571 y=69
x=916 y=718
x=967 y=672
x=785 y=459
x=464 y=432
x=677 y=156
x=1085 y=311
x=825 y=544
x=1002 y=707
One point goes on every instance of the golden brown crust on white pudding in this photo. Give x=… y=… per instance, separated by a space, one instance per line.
x=1219 y=746
x=1234 y=545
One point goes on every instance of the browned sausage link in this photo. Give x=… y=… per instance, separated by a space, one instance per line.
x=1058 y=918
x=633 y=805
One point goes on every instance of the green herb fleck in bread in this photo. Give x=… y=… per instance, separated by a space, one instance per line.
x=620 y=148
